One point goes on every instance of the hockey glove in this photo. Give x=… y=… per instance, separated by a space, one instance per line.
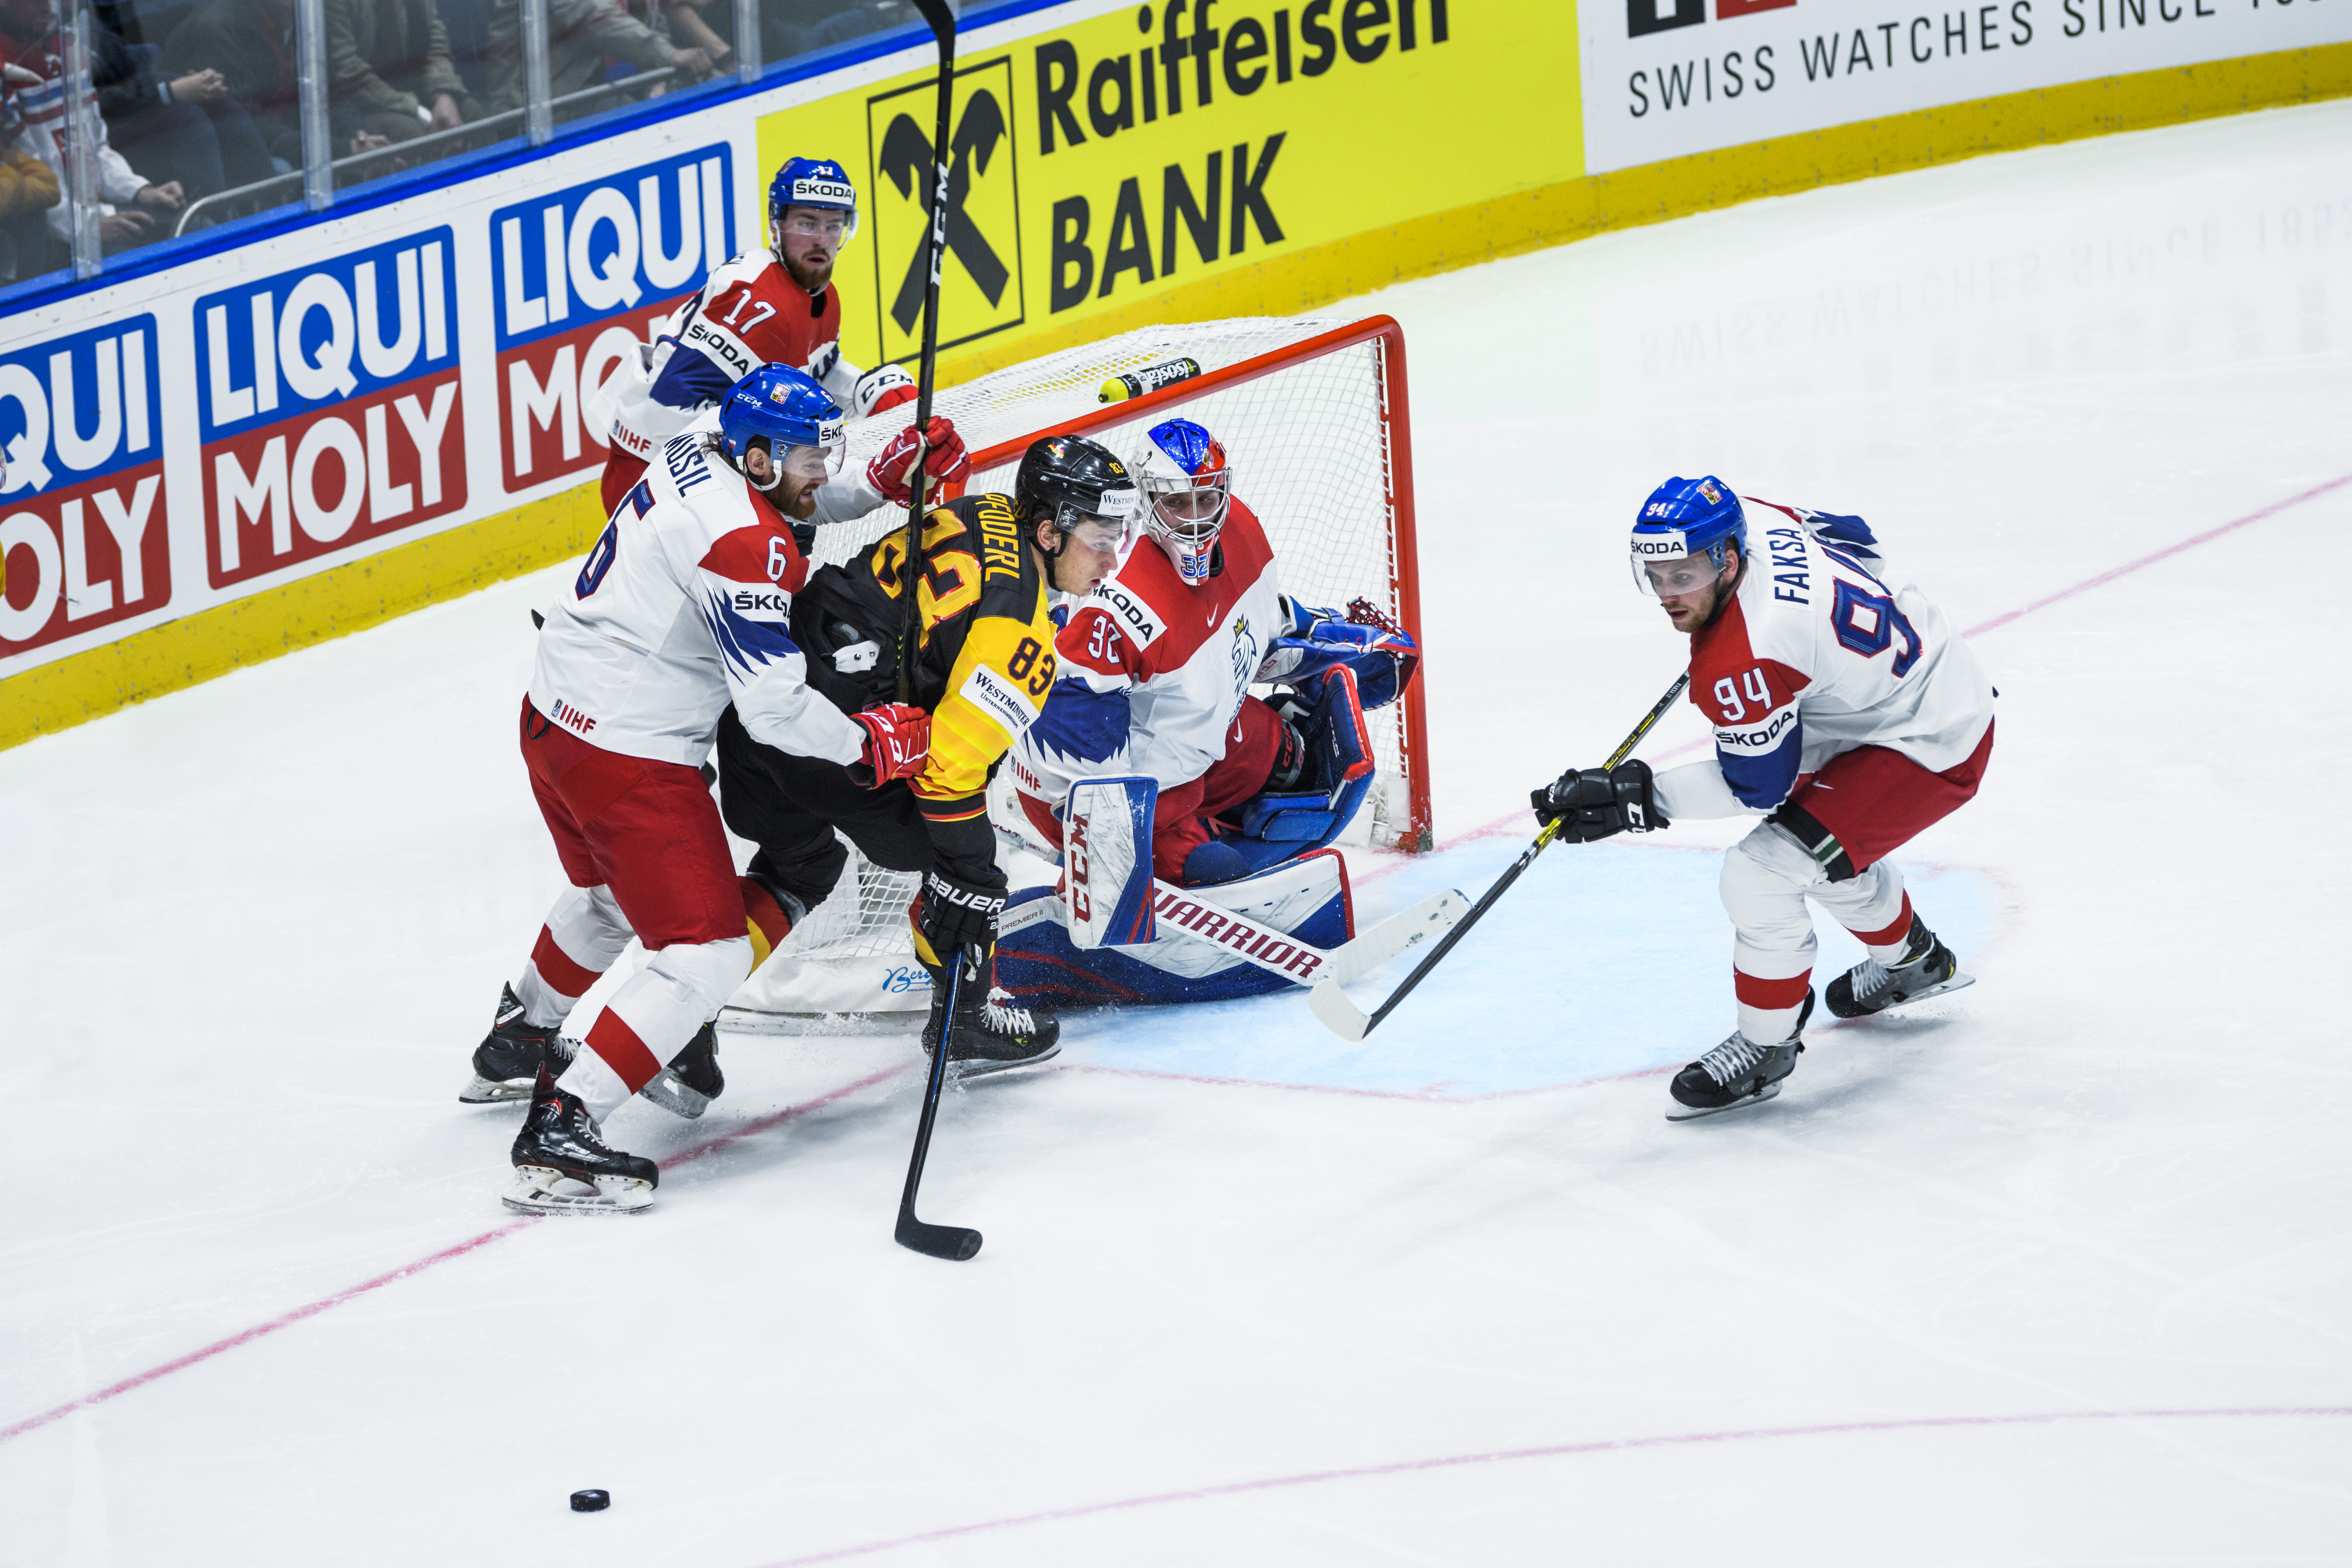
x=897 y=739
x=952 y=915
x=1594 y=803
x=892 y=471
x=1383 y=656
x=887 y=386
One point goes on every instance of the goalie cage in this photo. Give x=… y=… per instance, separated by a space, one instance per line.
x=1313 y=416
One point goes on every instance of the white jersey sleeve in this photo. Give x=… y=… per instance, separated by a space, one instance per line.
x=682 y=606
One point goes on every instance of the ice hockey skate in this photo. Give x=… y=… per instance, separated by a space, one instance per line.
x=994 y=1033
x=692 y=1081
x=1926 y=969
x=560 y=1152
x=507 y=1062
x=1737 y=1072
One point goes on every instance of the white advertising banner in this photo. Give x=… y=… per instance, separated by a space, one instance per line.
x=1665 y=78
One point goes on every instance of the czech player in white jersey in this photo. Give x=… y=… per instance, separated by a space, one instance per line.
x=1158 y=663
x=1847 y=709
x=776 y=306
x=680 y=609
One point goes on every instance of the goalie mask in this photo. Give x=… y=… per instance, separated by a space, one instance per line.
x=1186 y=486
x=1684 y=536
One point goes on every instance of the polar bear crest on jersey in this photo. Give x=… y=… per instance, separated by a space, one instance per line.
x=1185 y=477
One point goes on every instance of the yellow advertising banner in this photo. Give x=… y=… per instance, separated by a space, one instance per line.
x=1128 y=160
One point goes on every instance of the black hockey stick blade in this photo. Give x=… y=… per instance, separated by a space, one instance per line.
x=1331 y=1006
x=953 y=1242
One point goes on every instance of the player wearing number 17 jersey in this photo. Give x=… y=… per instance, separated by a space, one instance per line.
x=1847 y=709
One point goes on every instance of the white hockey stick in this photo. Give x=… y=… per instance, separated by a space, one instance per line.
x=1295 y=961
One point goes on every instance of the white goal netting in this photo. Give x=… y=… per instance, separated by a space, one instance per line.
x=1314 y=447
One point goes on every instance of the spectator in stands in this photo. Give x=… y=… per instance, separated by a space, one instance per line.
x=28 y=190
x=581 y=36
x=249 y=44
x=185 y=128
x=691 y=28
x=389 y=61
x=128 y=201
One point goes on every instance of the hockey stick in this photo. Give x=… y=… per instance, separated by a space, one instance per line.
x=943 y=29
x=949 y=1241
x=1276 y=951
x=1295 y=961
x=1345 y=1019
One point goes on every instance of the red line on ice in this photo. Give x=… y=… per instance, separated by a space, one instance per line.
x=287 y=1319
x=1393 y=862
x=1609 y=1446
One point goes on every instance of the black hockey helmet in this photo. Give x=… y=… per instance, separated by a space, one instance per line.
x=1074 y=480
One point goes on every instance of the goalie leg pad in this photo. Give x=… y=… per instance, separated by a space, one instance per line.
x=1107 y=861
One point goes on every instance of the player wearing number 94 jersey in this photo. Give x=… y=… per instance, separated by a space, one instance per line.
x=984 y=665
x=1847 y=709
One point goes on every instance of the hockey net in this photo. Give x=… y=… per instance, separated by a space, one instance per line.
x=1313 y=416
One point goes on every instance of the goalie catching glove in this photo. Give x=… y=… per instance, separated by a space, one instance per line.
x=892 y=471
x=1594 y=803
x=897 y=739
x=1381 y=653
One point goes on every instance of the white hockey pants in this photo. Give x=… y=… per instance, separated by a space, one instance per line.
x=1767 y=878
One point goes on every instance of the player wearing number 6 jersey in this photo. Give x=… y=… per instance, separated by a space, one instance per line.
x=984 y=664
x=1846 y=709
x=681 y=608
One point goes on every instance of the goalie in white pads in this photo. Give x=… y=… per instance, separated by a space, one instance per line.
x=680 y=608
x=1157 y=667
x=1845 y=708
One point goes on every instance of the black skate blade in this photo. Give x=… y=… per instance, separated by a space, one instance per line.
x=673 y=1094
x=953 y=1242
x=1958 y=982
x=964 y=1069
x=491 y=1091
x=1682 y=1113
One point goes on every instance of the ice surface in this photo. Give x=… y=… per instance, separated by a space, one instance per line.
x=1242 y=1286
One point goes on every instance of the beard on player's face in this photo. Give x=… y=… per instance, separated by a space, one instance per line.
x=809 y=258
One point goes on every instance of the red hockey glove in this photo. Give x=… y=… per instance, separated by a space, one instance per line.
x=897 y=739
x=893 y=396
x=892 y=471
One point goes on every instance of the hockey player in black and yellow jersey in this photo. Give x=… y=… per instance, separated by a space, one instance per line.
x=982 y=670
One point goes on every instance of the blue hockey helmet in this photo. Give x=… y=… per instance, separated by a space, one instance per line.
x=798 y=418
x=1187 y=483
x=1682 y=519
x=810 y=183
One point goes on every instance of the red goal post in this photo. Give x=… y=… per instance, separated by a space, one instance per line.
x=1314 y=417
x=1317 y=420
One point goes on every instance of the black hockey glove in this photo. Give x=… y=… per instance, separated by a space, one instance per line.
x=953 y=914
x=1594 y=803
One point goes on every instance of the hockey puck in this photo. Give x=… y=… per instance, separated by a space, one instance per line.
x=593 y=1501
